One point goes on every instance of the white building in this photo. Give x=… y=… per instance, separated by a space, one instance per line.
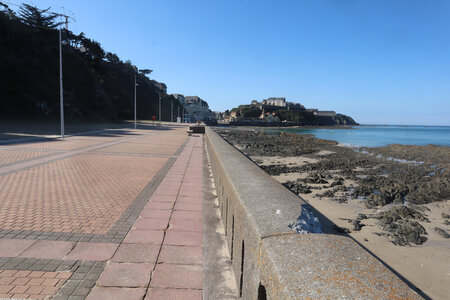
x=197 y=109
x=275 y=101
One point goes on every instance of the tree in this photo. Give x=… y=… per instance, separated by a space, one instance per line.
x=112 y=58
x=39 y=18
x=7 y=11
x=94 y=49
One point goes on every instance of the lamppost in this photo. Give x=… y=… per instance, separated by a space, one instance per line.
x=144 y=72
x=61 y=100
x=159 y=107
x=171 y=112
x=135 y=85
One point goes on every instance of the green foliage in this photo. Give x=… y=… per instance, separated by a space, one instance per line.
x=39 y=18
x=251 y=112
x=296 y=116
x=97 y=85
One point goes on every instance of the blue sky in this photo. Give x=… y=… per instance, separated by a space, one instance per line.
x=381 y=62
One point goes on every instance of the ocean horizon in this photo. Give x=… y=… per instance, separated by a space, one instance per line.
x=368 y=135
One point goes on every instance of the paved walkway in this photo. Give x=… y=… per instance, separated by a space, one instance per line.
x=112 y=215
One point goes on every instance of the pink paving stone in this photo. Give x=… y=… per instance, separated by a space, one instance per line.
x=188 y=206
x=190 y=199
x=159 y=205
x=173 y=294
x=125 y=275
x=183 y=238
x=175 y=176
x=14 y=247
x=168 y=186
x=191 y=188
x=166 y=192
x=114 y=293
x=93 y=251
x=160 y=198
x=142 y=236
x=186 y=215
x=156 y=214
x=175 y=173
x=177 y=276
x=185 y=225
x=137 y=253
x=49 y=249
x=155 y=224
x=191 y=194
x=181 y=255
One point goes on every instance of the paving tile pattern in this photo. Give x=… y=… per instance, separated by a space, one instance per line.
x=81 y=194
x=39 y=278
x=97 y=223
x=10 y=156
x=80 y=220
x=53 y=144
x=161 y=256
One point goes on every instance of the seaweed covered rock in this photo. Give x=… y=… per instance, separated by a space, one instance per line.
x=401 y=224
x=297 y=187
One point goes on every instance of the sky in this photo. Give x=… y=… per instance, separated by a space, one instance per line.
x=381 y=62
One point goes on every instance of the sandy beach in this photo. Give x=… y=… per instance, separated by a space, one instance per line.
x=402 y=234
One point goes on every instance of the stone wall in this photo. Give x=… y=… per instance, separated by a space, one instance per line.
x=270 y=260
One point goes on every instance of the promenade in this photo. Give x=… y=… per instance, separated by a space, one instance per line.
x=114 y=214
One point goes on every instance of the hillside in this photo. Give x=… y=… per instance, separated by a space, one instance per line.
x=98 y=85
x=246 y=114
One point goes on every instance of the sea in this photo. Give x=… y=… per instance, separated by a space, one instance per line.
x=377 y=135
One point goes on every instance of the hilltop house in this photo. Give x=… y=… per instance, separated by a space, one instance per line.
x=279 y=102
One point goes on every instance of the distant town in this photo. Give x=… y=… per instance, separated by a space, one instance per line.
x=270 y=110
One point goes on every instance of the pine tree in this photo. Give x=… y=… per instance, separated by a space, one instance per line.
x=39 y=18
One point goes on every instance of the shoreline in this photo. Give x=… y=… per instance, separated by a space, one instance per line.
x=364 y=195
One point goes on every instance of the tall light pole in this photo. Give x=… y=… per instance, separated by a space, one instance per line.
x=159 y=114
x=171 y=112
x=135 y=101
x=61 y=100
x=61 y=91
x=142 y=72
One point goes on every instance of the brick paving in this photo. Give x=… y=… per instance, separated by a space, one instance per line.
x=116 y=215
x=11 y=156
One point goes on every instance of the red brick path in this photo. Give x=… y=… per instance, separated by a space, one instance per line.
x=50 y=187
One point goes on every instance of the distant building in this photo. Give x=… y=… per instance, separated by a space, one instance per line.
x=218 y=114
x=325 y=113
x=197 y=109
x=275 y=101
x=312 y=110
x=179 y=97
x=278 y=102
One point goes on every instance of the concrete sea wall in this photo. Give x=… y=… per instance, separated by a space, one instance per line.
x=271 y=260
